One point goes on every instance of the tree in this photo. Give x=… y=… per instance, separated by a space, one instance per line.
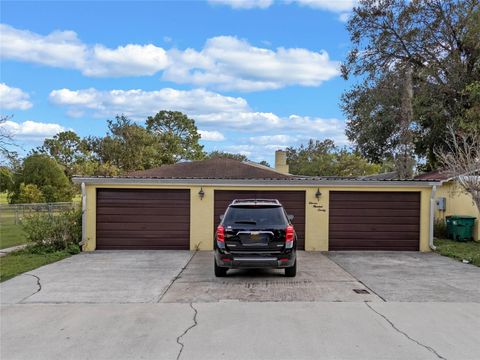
x=169 y=137
x=216 y=154
x=353 y=164
x=6 y=179
x=95 y=168
x=372 y=117
x=264 y=163
x=472 y=114
x=127 y=146
x=30 y=194
x=323 y=158
x=176 y=135
x=67 y=148
x=431 y=51
x=47 y=175
x=6 y=137
x=462 y=161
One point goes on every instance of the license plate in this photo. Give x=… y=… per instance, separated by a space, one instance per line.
x=255 y=236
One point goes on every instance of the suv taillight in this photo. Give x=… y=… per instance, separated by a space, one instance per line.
x=289 y=234
x=220 y=233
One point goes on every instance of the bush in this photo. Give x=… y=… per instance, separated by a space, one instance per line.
x=46 y=175
x=54 y=232
x=440 y=229
x=29 y=194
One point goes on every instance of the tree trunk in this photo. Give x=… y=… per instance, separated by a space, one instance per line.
x=404 y=160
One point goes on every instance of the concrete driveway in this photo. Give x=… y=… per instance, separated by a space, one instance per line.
x=98 y=277
x=412 y=276
x=168 y=305
x=318 y=279
x=145 y=276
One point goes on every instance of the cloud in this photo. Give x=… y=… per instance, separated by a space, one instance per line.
x=338 y=6
x=63 y=49
x=271 y=139
x=224 y=62
x=229 y=63
x=298 y=127
x=13 y=98
x=138 y=104
x=263 y=147
x=59 y=48
x=252 y=133
x=341 y=7
x=31 y=130
x=212 y=112
x=246 y=120
x=211 y=135
x=128 y=60
x=243 y=4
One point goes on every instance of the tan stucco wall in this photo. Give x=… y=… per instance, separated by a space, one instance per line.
x=458 y=203
x=202 y=212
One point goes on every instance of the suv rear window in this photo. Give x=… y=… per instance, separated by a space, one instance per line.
x=255 y=216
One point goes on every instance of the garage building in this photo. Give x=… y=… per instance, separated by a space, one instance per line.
x=178 y=207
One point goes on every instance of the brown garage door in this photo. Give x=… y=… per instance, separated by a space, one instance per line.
x=374 y=220
x=143 y=219
x=292 y=201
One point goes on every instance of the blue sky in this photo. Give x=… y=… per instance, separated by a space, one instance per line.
x=256 y=75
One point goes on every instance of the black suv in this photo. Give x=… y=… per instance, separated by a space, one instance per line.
x=255 y=233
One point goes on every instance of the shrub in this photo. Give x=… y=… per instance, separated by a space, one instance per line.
x=440 y=229
x=53 y=232
x=45 y=173
x=30 y=193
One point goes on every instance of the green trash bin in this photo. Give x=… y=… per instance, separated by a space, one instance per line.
x=461 y=227
x=449 y=222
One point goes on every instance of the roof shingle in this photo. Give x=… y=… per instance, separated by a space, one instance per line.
x=217 y=168
x=435 y=175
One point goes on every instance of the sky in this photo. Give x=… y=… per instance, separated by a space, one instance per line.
x=255 y=75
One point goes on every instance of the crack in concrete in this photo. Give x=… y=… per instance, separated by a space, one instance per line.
x=38 y=284
x=195 y=323
x=432 y=350
x=176 y=277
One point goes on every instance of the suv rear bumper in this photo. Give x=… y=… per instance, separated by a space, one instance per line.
x=254 y=261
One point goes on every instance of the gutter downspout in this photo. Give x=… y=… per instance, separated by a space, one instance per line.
x=84 y=215
x=432 y=216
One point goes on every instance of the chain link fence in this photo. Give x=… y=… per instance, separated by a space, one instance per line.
x=13 y=214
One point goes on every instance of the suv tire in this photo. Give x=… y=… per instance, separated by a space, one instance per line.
x=219 y=271
x=292 y=270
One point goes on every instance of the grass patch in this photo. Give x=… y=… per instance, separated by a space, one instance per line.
x=468 y=250
x=11 y=235
x=17 y=263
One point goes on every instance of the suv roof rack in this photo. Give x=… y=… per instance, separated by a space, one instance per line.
x=256 y=201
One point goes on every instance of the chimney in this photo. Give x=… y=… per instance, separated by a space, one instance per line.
x=281 y=161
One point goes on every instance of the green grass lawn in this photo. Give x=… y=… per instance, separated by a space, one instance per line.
x=468 y=250
x=11 y=235
x=22 y=261
x=11 y=232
